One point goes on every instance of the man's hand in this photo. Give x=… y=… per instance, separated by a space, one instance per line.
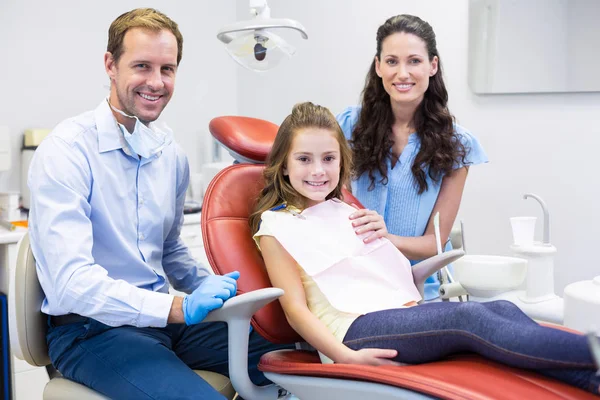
x=210 y=295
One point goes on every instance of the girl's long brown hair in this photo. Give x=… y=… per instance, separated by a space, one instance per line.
x=278 y=189
x=372 y=136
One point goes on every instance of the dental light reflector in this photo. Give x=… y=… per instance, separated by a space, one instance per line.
x=253 y=44
x=259 y=50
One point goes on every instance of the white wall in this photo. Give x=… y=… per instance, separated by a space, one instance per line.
x=52 y=67
x=545 y=143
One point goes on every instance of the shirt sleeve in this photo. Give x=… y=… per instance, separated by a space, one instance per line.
x=181 y=268
x=475 y=154
x=267 y=219
x=61 y=233
x=347 y=120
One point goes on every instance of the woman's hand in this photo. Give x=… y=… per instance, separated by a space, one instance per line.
x=365 y=221
x=371 y=357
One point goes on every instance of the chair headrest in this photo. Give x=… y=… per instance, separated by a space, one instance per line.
x=248 y=140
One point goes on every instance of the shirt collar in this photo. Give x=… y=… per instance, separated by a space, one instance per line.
x=413 y=138
x=110 y=136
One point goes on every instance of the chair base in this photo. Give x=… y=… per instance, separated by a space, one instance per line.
x=326 y=389
x=64 y=389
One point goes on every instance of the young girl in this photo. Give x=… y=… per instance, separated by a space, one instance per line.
x=308 y=165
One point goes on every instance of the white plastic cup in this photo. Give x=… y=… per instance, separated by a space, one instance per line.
x=523 y=229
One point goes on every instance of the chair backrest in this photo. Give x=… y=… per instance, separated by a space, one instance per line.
x=31 y=322
x=229 y=246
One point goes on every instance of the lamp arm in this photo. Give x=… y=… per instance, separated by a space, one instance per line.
x=257 y=24
x=260 y=9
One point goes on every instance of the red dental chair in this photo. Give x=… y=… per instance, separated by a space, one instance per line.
x=229 y=246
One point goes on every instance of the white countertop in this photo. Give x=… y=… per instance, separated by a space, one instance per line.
x=8 y=237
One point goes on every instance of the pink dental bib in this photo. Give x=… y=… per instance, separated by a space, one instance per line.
x=354 y=277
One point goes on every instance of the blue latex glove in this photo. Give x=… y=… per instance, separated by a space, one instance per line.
x=210 y=295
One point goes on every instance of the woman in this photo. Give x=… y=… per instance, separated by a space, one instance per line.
x=410 y=158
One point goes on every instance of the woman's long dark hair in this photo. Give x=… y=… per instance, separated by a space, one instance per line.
x=372 y=136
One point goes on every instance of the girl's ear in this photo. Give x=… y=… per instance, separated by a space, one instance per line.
x=285 y=171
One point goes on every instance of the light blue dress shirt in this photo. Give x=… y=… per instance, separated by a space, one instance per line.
x=105 y=224
x=405 y=211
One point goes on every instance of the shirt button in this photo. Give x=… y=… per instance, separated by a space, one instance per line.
x=141 y=236
x=141 y=202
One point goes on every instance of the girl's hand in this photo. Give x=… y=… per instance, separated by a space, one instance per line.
x=372 y=357
x=365 y=221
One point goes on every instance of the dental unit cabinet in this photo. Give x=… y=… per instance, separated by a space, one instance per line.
x=527 y=279
x=582 y=306
x=539 y=300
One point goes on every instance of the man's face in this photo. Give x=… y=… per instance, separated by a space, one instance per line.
x=143 y=79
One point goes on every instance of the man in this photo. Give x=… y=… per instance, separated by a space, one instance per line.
x=107 y=194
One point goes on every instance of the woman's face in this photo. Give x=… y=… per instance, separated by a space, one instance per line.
x=313 y=164
x=404 y=68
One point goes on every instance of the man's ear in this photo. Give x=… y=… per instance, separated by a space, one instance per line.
x=110 y=66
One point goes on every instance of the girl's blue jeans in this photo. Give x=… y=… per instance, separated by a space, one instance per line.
x=148 y=363
x=497 y=330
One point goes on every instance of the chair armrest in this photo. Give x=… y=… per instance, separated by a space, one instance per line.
x=244 y=305
x=426 y=268
x=237 y=312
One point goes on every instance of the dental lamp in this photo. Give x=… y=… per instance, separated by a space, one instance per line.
x=253 y=44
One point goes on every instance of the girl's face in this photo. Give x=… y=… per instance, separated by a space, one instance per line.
x=404 y=68
x=313 y=164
